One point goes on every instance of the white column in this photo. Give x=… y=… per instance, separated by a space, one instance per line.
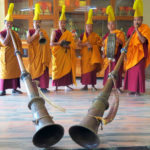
x=146 y=14
x=2 y=15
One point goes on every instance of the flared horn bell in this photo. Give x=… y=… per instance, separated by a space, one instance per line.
x=47 y=132
x=42 y=39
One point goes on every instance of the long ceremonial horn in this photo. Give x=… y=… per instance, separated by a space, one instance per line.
x=47 y=133
x=85 y=134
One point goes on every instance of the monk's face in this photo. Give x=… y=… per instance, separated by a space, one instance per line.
x=62 y=25
x=137 y=22
x=89 y=28
x=111 y=26
x=8 y=24
x=36 y=24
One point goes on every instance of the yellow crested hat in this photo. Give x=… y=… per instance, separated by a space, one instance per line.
x=63 y=16
x=110 y=13
x=138 y=7
x=10 y=11
x=37 y=12
x=90 y=15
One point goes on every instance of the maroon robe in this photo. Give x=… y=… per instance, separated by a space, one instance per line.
x=67 y=79
x=8 y=83
x=119 y=79
x=135 y=77
x=90 y=77
x=44 y=79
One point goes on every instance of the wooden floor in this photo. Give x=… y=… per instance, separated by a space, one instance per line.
x=130 y=129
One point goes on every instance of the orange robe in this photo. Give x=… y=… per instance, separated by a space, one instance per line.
x=9 y=67
x=138 y=58
x=135 y=52
x=39 y=56
x=91 y=59
x=63 y=62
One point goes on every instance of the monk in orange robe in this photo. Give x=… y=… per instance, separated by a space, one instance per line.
x=91 y=59
x=110 y=63
x=138 y=53
x=63 y=55
x=138 y=57
x=9 y=67
x=39 y=54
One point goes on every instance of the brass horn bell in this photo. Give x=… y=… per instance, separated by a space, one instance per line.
x=47 y=132
x=42 y=39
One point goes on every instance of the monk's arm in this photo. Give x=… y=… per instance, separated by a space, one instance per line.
x=80 y=44
x=31 y=38
x=141 y=37
x=5 y=41
x=119 y=41
x=52 y=42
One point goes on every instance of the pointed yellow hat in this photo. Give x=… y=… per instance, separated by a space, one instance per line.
x=110 y=13
x=10 y=11
x=37 y=12
x=138 y=7
x=90 y=15
x=63 y=16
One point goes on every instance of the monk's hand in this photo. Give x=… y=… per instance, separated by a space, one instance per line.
x=89 y=45
x=65 y=44
x=119 y=41
x=125 y=57
x=136 y=27
x=37 y=31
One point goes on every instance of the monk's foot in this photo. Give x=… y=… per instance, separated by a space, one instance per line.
x=16 y=92
x=137 y=94
x=119 y=91
x=68 y=88
x=94 y=88
x=2 y=93
x=85 y=88
x=56 y=89
x=44 y=90
x=131 y=93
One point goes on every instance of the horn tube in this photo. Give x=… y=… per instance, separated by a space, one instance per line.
x=85 y=134
x=47 y=132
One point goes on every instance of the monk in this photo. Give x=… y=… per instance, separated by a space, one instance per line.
x=138 y=57
x=138 y=53
x=9 y=67
x=63 y=55
x=39 y=53
x=91 y=59
x=120 y=41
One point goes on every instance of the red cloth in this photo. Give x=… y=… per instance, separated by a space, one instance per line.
x=89 y=78
x=135 y=77
x=9 y=84
x=64 y=81
x=3 y=33
x=58 y=35
x=31 y=31
x=119 y=79
x=44 y=79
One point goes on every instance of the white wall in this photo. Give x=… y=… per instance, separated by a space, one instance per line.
x=2 y=15
x=146 y=12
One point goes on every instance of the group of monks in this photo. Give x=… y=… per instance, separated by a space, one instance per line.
x=62 y=54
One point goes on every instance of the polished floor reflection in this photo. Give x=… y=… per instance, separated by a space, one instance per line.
x=131 y=127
